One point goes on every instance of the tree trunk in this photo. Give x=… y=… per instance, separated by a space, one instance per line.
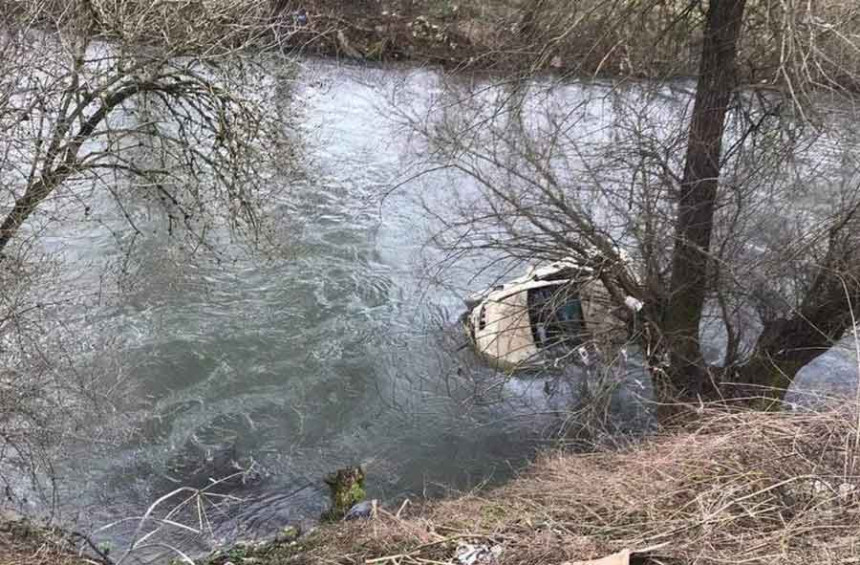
x=786 y=345
x=687 y=377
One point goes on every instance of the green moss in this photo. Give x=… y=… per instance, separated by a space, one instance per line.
x=347 y=490
x=356 y=493
x=493 y=513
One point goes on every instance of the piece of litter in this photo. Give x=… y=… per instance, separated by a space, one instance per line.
x=468 y=554
x=583 y=354
x=633 y=303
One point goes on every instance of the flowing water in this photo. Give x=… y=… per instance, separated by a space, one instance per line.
x=345 y=352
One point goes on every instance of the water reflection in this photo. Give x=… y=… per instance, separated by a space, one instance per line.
x=333 y=349
x=339 y=350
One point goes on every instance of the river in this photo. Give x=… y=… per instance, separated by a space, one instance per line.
x=344 y=351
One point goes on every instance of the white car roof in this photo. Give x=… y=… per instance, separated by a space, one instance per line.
x=514 y=288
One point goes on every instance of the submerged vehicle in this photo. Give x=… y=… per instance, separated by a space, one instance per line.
x=539 y=320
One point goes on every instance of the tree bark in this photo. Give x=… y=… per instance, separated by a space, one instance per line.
x=687 y=377
x=829 y=308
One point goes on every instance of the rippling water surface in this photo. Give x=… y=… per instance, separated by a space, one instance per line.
x=342 y=353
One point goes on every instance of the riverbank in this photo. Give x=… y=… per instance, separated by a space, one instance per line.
x=508 y=36
x=746 y=487
x=750 y=487
x=581 y=38
x=23 y=542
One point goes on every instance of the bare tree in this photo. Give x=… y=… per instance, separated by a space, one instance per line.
x=165 y=114
x=123 y=97
x=730 y=206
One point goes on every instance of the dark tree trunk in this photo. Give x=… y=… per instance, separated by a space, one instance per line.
x=786 y=345
x=687 y=377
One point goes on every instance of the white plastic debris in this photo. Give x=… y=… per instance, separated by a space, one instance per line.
x=583 y=354
x=469 y=554
x=633 y=303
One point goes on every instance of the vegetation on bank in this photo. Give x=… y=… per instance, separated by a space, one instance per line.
x=787 y=43
x=23 y=542
x=735 y=487
x=781 y=42
x=745 y=487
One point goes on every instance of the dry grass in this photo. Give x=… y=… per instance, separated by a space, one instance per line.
x=751 y=487
x=24 y=544
x=736 y=488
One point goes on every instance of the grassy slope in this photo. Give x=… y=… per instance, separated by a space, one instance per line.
x=750 y=488
x=755 y=488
